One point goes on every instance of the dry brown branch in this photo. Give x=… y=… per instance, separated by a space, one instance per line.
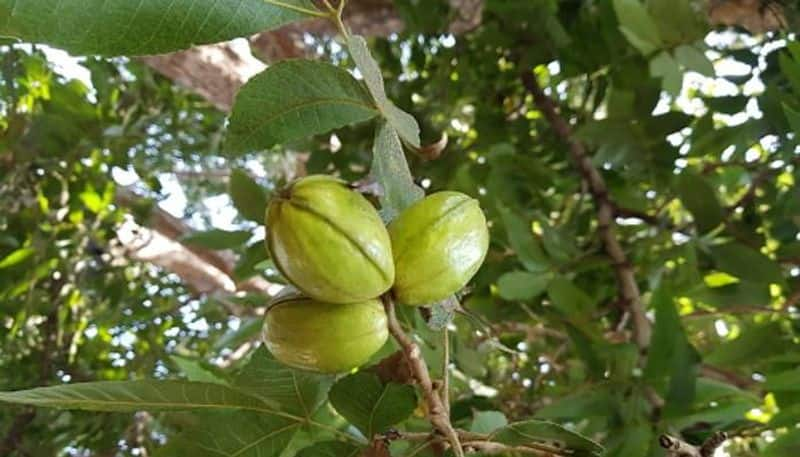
x=437 y=411
x=629 y=289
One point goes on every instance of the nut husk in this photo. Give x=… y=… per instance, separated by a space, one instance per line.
x=329 y=241
x=439 y=243
x=305 y=333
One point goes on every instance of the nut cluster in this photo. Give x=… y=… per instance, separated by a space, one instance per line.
x=330 y=243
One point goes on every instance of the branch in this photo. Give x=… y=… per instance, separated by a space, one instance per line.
x=203 y=271
x=676 y=447
x=492 y=448
x=727 y=376
x=13 y=438
x=477 y=442
x=444 y=389
x=629 y=289
x=437 y=411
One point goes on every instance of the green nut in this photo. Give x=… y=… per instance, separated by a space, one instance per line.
x=329 y=241
x=304 y=333
x=439 y=243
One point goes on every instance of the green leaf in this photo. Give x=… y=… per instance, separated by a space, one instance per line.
x=664 y=66
x=786 y=417
x=534 y=431
x=731 y=104
x=488 y=421
x=637 y=25
x=295 y=99
x=791 y=69
x=93 y=201
x=405 y=124
x=671 y=354
x=746 y=263
x=217 y=239
x=783 y=381
x=568 y=298
x=785 y=445
x=195 y=371
x=330 y=449
x=16 y=257
x=522 y=285
x=232 y=434
x=248 y=263
x=720 y=416
x=371 y=406
x=634 y=440
x=742 y=293
x=693 y=59
x=593 y=402
x=137 y=396
x=700 y=198
x=248 y=196
x=297 y=392
x=128 y=27
x=390 y=169
x=520 y=235
x=793 y=116
x=755 y=342
x=247 y=331
x=678 y=21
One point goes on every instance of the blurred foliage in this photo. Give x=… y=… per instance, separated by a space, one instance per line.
x=694 y=131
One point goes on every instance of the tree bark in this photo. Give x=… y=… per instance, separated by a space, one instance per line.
x=203 y=271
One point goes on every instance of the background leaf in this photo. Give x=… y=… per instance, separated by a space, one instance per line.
x=700 y=198
x=746 y=263
x=488 y=421
x=248 y=196
x=637 y=25
x=195 y=371
x=522 y=285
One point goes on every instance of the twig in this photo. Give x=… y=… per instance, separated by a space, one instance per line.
x=792 y=300
x=727 y=376
x=629 y=289
x=13 y=438
x=445 y=390
x=477 y=442
x=437 y=411
x=492 y=448
x=676 y=447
